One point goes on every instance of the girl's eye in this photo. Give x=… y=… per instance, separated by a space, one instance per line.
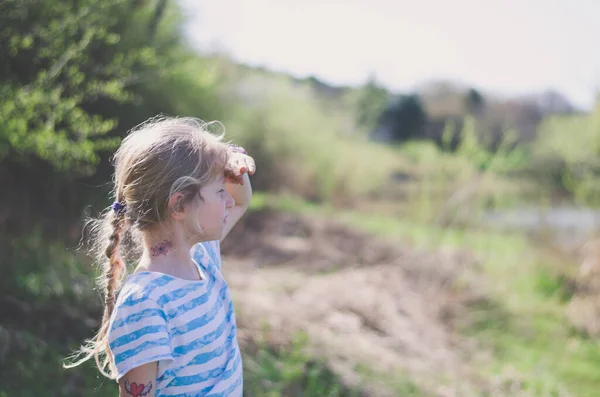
x=221 y=191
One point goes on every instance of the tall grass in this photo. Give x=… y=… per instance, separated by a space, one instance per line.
x=456 y=187
x=304 y=146
x=567 y=155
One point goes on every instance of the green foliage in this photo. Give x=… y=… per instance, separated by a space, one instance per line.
x=75 y=77
x=290 y=372
x=301 y=146
x=567 y=155
x=404 y=118
x=369 y=102
x=458 y=186
x=55 y=308
x=69 y=277
x=551 y=285
x=57 y=63
x=66 y=72
x=33 y=368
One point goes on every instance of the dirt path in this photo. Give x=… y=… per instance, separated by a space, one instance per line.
x=369 y=306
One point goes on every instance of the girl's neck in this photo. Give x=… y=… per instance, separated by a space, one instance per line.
x=168 y=252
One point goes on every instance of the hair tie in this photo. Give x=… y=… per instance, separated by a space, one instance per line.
x=118 y=207
x=237 y=148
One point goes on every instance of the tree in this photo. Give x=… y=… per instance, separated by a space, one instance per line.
x=74 y=77
x=474 y=102
x=402 y=120
x=371 y=102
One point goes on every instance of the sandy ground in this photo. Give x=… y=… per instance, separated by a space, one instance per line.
x=376 y=310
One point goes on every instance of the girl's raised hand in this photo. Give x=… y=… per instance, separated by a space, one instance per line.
x=239 y=164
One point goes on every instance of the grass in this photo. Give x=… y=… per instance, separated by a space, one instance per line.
x=273 y=372
x=33 y=368
x=526 y=330
x=400 y=383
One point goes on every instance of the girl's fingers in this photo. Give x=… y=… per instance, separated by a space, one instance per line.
x=251 y=166
x=239 y=165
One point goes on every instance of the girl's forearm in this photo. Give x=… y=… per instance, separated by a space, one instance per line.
x=242 y=194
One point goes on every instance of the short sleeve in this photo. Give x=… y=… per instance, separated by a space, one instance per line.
x=138 y=334
x=208 y=253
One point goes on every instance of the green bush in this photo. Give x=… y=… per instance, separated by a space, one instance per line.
x=566 y=155
x=457 y=186
x=73 y=81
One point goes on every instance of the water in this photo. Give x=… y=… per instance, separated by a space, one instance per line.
x=570 y=225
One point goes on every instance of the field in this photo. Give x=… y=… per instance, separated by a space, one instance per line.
x=373 y=260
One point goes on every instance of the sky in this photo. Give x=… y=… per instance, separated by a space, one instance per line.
x=502 y=47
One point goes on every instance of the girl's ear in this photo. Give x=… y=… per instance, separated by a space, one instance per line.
x=176 y=206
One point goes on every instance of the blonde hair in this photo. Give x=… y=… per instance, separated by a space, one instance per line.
x=157 y=159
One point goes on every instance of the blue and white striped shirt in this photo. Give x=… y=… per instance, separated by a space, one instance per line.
x=187 y=326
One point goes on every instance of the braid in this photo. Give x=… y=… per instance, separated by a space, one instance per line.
x=110 y=230
x=112 y=278
x=116 y=265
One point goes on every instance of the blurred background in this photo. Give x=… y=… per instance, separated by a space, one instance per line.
x=425 y=216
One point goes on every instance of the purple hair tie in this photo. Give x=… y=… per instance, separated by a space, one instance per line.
x=237 y=149
x=118 y=207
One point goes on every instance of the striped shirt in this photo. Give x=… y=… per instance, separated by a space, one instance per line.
x=187 y=326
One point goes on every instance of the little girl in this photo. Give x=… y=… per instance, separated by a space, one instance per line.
x=169 y=328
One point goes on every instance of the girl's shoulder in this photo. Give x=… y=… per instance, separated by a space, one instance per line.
x=207 y=254
x=143 y=286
